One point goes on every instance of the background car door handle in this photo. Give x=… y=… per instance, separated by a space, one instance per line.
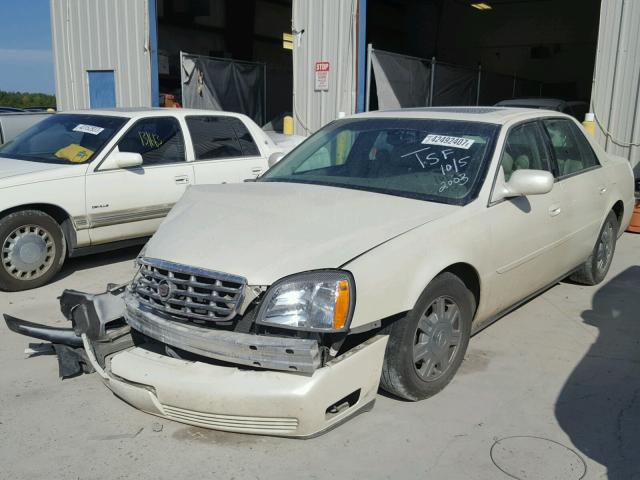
x=182 y=180
x=603 y=190
x=256 y=170
x=554 y=210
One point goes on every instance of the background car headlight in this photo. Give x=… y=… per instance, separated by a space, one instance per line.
x=314 y=301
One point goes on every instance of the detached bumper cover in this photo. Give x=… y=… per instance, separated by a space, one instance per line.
x=249 y=401
x=277 y=353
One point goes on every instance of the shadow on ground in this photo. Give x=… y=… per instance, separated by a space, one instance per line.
x=599 y=405
x=76 y=264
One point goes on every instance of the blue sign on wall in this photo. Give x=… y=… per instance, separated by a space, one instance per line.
x=102 y=89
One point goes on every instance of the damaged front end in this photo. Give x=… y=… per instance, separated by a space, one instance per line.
x=97 y=320
x=157 y=349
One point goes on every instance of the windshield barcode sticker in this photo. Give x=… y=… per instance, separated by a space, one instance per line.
x=81 y=127
x=447 y=141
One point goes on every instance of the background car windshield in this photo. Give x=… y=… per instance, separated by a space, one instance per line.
x=436 y=160
x=63 y=138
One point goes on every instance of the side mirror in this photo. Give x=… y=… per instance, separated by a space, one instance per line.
x=275 y=158
x=127 y=159
x=523 y=183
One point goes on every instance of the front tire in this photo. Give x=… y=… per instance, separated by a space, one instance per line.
x=33 y=250
x=425 y=348
x=596 y=267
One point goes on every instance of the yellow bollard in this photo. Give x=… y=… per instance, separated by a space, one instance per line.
x=589 y=123
x=343 y=145
x=287 y=125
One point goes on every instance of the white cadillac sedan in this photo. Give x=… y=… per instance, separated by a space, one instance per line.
x=95 y=180
x=371 y=253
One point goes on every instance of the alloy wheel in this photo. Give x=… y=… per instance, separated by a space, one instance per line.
x=437 y=338
x=604 y=251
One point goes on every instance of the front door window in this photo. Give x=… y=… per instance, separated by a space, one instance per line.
x=524 y=149
x=159 y=141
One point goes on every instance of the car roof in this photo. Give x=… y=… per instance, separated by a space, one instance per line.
x=496 y=115
x=550 y=103
x=140 y=112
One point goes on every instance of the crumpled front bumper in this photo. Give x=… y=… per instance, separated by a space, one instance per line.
x=248 y=401
x=210 y=394
x=277 y=353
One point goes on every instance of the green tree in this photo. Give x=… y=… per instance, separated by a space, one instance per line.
x=26 y=100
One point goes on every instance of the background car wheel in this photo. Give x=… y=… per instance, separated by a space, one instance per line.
x=595 y=268
x=33 y=250
x=426 y=348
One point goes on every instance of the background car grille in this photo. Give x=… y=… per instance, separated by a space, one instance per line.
x=188 y=292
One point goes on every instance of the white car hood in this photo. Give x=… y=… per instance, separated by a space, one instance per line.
x=10 y=168
x=264 y=231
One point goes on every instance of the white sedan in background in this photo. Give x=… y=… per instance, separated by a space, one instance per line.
x=88 y=181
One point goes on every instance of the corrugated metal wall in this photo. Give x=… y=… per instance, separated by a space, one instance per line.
x=329 y=35
x=615 y=98
x=101 y=35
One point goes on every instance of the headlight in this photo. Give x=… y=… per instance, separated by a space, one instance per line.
x=319 y=301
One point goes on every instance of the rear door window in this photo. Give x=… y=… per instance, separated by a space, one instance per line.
x=159 y=141
x=220 y=137
x=248 y=145
x=572 y=151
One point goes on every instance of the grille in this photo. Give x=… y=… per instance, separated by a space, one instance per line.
x=188 y=292
x=235 y=423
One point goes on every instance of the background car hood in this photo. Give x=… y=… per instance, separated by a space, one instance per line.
x=267 y=230
x=14 y=171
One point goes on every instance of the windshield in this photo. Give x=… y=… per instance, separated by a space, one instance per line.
x=435 y=160
x=63 y=138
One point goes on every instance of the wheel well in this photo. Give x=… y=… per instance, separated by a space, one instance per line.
x=618 y=209
x=469 y=277
x=57 y=213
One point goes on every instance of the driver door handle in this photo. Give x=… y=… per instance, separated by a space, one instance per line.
x=182 y=180
x=554 y=210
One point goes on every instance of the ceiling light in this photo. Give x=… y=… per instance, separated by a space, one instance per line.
x=482 y=6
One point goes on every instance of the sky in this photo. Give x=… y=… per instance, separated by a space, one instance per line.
x=26 y=61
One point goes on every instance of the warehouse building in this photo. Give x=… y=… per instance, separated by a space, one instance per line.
x=313 y=59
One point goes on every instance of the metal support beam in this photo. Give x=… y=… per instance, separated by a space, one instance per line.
x=367 y=92
x=362 y=51
x=432 y=80
x=153 y=53
x=479 y=79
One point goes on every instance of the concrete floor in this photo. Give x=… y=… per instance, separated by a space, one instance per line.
x=563 y=368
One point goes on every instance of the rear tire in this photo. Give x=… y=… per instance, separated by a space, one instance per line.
x=425 y=348
x=32 y=251
x=596 y=267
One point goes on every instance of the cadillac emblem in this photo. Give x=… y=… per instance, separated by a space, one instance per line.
x=164 y=289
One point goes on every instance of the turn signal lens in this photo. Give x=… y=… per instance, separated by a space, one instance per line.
x=341 y=310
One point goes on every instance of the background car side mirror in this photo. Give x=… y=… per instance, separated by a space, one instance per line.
x=523 y=183
x=127 y=159
x=275 y=158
